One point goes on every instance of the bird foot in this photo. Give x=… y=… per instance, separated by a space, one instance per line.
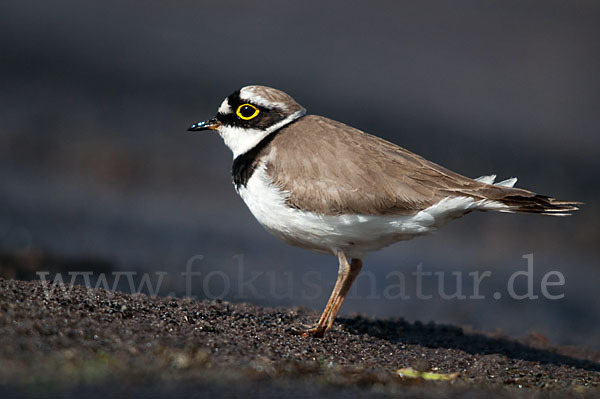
x=306 y=330
x=316 y=332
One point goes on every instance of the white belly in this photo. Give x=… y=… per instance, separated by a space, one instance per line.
x=354 y=234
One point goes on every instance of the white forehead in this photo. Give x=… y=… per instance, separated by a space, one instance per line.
x=252 y=94
x=225 y=108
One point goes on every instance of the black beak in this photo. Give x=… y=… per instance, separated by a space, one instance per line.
x=211 y=124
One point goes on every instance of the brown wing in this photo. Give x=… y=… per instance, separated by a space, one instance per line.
x=334 y=169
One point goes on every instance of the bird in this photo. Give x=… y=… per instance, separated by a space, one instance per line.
x=321 y=185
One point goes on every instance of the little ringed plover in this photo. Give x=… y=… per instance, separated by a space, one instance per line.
x=322 y=185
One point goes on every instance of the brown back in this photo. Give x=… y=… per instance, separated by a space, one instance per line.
x=334 y=169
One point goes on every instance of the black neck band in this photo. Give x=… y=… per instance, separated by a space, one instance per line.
x=244 y=164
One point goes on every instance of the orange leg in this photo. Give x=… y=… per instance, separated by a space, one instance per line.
x=347 y=273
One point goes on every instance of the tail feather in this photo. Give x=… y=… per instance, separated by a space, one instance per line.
x=539 y=204
x=508 y=182
x=520 y=200
x=489 y=179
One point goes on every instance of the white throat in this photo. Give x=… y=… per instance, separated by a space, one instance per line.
x=240 y=140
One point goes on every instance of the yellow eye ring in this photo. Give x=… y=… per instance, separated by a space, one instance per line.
x=247 y=111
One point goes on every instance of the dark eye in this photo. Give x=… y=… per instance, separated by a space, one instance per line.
x=247 y=111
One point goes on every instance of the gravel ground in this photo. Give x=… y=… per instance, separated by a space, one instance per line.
x=96 y=343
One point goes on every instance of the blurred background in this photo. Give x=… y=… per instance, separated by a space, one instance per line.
x=98 y=173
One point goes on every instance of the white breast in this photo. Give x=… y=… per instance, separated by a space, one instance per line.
x=354 y=234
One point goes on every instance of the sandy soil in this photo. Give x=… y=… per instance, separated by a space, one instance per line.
x=98 y=343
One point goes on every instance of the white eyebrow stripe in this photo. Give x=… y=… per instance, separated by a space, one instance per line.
x=248 y=94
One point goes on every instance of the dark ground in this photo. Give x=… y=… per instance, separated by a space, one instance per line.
x=100 y=343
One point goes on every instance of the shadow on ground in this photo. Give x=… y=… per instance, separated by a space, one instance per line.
x=451 y=337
